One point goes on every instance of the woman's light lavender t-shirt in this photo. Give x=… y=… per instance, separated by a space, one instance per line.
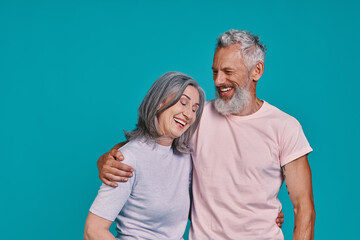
x=154 y=203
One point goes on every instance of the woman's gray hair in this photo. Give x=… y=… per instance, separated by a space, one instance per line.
x=171 y=86
x=251 y=48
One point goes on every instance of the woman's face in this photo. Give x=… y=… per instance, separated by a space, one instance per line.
x=174 y=121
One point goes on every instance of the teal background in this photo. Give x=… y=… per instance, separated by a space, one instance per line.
x=72 y=74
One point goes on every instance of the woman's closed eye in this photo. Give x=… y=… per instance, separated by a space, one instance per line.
x=195 y=108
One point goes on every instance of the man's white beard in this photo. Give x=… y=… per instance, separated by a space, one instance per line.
x=236 y=104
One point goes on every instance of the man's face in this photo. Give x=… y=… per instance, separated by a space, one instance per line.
x=229 y=71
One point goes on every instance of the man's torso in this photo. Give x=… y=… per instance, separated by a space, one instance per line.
x=237 y=174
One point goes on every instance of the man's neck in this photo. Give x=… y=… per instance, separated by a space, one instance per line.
x=254 y=105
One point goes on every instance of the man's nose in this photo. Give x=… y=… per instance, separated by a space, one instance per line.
x=219 y=79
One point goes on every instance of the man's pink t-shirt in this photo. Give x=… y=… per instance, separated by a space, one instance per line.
x=237 y=176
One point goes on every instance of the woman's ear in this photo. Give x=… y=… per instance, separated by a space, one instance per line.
x=160 y=106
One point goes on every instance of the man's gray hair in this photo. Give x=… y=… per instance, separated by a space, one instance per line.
x=169 y=86
x=251 y=48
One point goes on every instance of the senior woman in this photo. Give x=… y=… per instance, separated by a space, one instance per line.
x=155 y=202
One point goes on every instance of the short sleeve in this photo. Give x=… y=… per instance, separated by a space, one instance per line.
x=293 y=143
x=109 y=201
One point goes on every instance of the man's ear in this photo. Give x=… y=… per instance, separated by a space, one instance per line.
x=257 y=71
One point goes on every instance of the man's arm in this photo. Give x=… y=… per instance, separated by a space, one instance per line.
x=111 y=169
x=297 y=176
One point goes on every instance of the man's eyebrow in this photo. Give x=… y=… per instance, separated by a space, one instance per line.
x=228 y=69
x=223 y=69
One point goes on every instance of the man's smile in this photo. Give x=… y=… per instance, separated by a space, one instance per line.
x=226 y=91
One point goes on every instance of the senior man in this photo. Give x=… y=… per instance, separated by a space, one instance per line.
x=242 y=151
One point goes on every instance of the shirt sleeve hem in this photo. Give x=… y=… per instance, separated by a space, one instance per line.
x=296 y=155
x=102 y=215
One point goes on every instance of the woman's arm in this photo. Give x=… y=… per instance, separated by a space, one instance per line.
x=97 y=228
x=108 y=204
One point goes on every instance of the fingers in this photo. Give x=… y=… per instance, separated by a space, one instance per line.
x=280 y=219
x=120 y=173
x=114 y=178
x=111 y=179
x=111 y=160
x=116 y=154
x=121 y=166
x=279 y=222
x=114 y=170
x=107 y=182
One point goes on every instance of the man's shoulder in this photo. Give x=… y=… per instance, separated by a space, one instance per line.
x=209 y=107
x=208 y=104
x=280 y=117
x=210 y=115
x=276 y=112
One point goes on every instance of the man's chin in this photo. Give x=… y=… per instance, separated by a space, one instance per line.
x=224 y=98
x=232 y=104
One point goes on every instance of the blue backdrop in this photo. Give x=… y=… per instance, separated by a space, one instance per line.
x=72 y=74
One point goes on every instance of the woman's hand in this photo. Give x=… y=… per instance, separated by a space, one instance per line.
x=280 y=219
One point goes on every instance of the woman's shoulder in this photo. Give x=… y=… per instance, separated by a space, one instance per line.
x=136 y=150
x=131 y=145
x=131 y=152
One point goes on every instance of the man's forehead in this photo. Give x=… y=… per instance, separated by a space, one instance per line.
x=227 y=57
x=223 y=67
x=228 y=53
